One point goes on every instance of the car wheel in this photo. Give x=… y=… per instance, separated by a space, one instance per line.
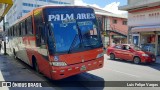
x=112 y=56
x=137 y=60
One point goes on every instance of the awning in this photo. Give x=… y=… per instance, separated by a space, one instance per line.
x=118 y=36
x=5 y=5
x=146 y=29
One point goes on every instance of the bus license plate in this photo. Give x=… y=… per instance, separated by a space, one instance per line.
x=83 y=68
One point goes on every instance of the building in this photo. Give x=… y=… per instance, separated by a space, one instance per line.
x=21 y=7
x=144 y=24
x=114 y=27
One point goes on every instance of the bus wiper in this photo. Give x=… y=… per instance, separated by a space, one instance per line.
x=76 y=38
x=73 y=43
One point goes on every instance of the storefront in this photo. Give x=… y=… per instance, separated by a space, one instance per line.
x=117 y=38
x=147 y=37
x=144 y=24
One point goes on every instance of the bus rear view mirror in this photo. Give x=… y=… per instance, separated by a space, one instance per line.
x=51 y=46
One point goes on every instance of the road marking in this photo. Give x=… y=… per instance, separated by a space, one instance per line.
x=123 y=73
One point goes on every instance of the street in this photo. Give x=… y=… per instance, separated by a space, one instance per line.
x=113 y=70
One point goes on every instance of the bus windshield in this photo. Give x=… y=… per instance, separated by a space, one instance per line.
x=74 y=29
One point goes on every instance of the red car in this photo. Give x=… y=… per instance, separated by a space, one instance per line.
x=130 y=52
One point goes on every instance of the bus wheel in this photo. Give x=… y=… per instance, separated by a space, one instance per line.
x=137 y=60
x=35 y=65
x=14 y=53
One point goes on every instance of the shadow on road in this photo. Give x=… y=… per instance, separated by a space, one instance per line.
x=84 y=81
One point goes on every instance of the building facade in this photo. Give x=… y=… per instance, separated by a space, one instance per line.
x=144 y=24
x=114 y=27
x=22 y=7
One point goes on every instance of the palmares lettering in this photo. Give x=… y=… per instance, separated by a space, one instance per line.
x=61 y=17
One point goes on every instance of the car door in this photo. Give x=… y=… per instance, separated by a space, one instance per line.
x=127 y=53
x=117 y=51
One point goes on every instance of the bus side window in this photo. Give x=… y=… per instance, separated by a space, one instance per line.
x=20 y=29
x=17 y=30
x=23 y=28
x=38 y=19
x=38 y=36
x=26 y=27
x=12 y=31
x=29 y=26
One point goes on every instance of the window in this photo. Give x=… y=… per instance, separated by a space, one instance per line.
x=27 y=4
x=8 y=32
x=14 y=30
x=20 y=29
x=26 y=11
x=17 y=30
x=26 y=27
x=124 y=23
x=29 y=26
x=115 y=21
x=126 y=47
x=118 y=47
x=23 y=28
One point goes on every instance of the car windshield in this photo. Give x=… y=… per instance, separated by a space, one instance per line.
x=72 y=30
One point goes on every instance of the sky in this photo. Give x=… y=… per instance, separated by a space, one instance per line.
x=103 y=3
x=108 y=5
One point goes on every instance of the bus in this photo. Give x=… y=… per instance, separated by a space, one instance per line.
x=58 y=41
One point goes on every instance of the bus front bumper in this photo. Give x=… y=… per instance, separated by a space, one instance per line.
x=63 y=72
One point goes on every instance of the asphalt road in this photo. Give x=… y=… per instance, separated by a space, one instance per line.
x=113 y=70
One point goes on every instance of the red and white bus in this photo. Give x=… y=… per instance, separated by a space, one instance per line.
x=58 y=41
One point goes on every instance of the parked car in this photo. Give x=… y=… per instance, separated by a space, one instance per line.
x=130 y=52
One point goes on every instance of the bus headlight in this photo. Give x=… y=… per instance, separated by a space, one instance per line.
x=58 y=64
x=100 y=55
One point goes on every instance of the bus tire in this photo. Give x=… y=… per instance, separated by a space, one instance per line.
x=35 y=64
